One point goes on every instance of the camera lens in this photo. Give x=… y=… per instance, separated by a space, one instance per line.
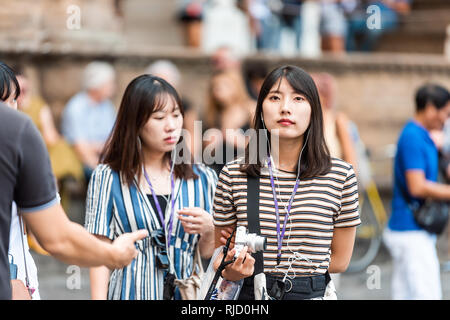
x=256 y=243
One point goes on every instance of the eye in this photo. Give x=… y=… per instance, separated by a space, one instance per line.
x=158 y=117
x=299 y=98
x=274 y=98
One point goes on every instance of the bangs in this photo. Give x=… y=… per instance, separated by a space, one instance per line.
x=160 y=95
x=163 y=99
x=299 y=86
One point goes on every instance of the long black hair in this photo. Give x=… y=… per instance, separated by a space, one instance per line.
x=143 y=96
x=8 y=83
x=316 y=158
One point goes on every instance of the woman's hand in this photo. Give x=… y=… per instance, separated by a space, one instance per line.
x=196 y=221
x=241 y=268
x=225 y=234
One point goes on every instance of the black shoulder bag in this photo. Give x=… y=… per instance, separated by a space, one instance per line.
x=431 y=215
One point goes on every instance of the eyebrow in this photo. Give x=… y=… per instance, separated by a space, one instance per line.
x=164 y=110
x=278 y=91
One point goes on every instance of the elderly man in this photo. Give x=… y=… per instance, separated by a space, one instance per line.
x=89 y=115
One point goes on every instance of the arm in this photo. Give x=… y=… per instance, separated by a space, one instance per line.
x=420 y=187
x=87 y=153
x=347 y=145
x=198 y=221
x=341 y=249
x=71 y=243
x=99 y=277
x=49 y=132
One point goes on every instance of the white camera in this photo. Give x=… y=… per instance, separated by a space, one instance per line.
x=254 y=242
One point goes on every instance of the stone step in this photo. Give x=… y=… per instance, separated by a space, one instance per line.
x=430 y=4
x=422 y=31
x=426 y=21
x=410 y=42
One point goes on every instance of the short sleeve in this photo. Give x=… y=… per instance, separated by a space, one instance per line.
x=211 y=189
x=411 y=154
x=99 y=203
x=224 y=208
x=348 y=216
x=35 y=185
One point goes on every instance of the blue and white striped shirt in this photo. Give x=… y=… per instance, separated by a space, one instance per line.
x=114 y=208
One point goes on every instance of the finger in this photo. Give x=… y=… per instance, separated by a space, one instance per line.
x=249 y=261
x=139 y=235
x=230 y=254
x=241 y=256
x=190 y=211
x=225 y=233
x=189 y=219
x=223 y=241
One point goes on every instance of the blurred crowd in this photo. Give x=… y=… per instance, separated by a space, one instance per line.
x=307 y=27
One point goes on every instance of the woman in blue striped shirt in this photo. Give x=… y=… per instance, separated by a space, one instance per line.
x=139 y=185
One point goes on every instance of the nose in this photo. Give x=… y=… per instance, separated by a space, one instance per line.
x=285 y=107
x=171 y=124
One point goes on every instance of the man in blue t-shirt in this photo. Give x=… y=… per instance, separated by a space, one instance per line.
x=415 y=261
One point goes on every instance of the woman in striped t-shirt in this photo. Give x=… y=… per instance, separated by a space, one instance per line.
x=308 y=201
x=139 y=186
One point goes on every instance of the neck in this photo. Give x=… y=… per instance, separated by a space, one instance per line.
x=154 y=160
x=420 y=119
x=286 y=154
x=96 y=98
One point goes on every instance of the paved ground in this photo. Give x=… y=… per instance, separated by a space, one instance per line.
x=60 y=281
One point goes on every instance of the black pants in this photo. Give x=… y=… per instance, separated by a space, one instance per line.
x=302 y=287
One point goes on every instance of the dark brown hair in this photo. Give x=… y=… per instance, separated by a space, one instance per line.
x=316 y=158
x=144 y=95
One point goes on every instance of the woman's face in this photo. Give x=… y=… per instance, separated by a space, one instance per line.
x=223 y=89
x=286 y=113
x=163 y=129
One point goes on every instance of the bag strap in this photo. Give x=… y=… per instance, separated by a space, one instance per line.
x=253 y=218
x=27 y=281
x=198 y=259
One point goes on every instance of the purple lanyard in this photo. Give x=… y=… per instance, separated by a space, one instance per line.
x=158 y=207
x=280 y=235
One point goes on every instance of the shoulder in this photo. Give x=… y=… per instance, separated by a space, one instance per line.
x=76 y=104
x=16 y=125
x=341 y=167
x=412 y=137
x=233 y=168
x=204 y=171
x=410 y=131
x=102 y=174
x=108 y=106
x=13 y=119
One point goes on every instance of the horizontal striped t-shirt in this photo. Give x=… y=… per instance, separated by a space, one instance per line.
x=320 y=204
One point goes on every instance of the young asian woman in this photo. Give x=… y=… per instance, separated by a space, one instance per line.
x=308 y=201
x=139 y=185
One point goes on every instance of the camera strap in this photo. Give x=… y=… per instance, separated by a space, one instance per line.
x=253 y=218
